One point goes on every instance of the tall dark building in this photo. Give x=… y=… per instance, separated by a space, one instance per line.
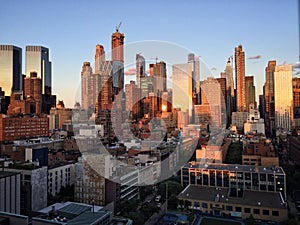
x=269 y=96
x=10 y=68
x=159 y=76
x=250 y=91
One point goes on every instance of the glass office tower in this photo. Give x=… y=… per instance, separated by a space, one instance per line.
x=37 y=60
x=10 y=68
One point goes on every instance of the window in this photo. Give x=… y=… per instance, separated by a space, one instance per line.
x=204 y=205
x=238 y=209
x=256 y=211
x=275 y=213
x=266 y=212
x=229 y=208
x=247 y=210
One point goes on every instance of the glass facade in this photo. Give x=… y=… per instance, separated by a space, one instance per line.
x=37 y=60
x=10 y=68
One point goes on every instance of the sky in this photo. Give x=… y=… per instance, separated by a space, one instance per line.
x=267 y=29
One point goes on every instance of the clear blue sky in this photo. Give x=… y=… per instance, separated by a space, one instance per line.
x=209 y=28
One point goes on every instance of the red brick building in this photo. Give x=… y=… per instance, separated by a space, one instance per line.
x=23 y=127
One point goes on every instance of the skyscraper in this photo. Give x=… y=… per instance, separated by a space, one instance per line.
x=99 y=57
x=229 y=90
x=159 y=77
x=133 y=96
x=283 y=96
x=250 y=92
x=240 y=78
x=37 y=60
x=182 y=87
x=140 y=68
x=117 y=42
x=269 y=96
x=90 y=87
x=10 y=68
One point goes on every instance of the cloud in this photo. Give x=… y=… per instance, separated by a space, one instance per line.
x=298 y=73
x=214 y=68
x=254 y=57
x=130 y=71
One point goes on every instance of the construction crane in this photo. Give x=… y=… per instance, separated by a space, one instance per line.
x=117 y=27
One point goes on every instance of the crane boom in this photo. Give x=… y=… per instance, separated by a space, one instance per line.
x=117 y=27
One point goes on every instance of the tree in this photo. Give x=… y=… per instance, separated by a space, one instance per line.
x=173 y=202
x=251 y=220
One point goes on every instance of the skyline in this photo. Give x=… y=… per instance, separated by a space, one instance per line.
x=267 y=31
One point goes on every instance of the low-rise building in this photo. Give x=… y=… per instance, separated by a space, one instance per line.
x=268 y=206
x=60 y=176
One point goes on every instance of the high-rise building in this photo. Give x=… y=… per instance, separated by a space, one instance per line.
x=117 y=42
x=140 y=69
x=99 y=57
x=296 y=101
x=215 y=99
x=269 y=96
x=90 y=87
x=195 y=67
x=10 y=68
x=133 y=97
x=240 y=78
x=159 y=77
x=250 y=91
x=33 y=92
x=228 y=74
x=29 y=102
x=37 y=60
x=182 y=88
x=283 y=96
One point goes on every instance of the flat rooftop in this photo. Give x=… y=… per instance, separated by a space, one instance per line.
x=250 y=198
x=235 y=167
x=88 y=218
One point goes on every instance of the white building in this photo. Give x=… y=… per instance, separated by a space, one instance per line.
x=60 y=176
x=33 y=187
x=283 y=89
x=254 y=122
x=10 y=192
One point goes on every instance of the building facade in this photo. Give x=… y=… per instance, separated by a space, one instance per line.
x=10 y=68
x=283 y=96
x=14 y=128
x=239 y=57
x=10 y=192
x=37 y=60
x=238 y=178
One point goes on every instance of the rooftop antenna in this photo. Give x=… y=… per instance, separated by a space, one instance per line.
x=118 y=27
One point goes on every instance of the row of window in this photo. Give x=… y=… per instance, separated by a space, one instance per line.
x=255 y=211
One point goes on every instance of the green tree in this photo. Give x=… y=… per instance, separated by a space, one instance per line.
x=173 y=202
x=251 y=220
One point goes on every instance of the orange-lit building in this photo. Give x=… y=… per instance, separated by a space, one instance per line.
x=23 y=127
x=240 y=78
x=117 y=42
x=31 y=101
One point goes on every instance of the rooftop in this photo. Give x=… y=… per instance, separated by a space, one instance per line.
x=251 y=198
x=72 y=210
x=89 y=218
x=4 y=174
x=235 y=167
